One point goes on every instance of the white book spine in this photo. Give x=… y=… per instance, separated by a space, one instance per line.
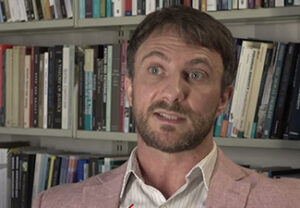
x=150 y=6
x=134 y=7
x=242 y=4
x=14 y=10
x=279 y=3
x=211 y=5
x=65 y=88
x=22 y=10
x=27 y=91
x=38 y=174
x=69 y=8
x=296 y=2
x=46 y=71
x=196 y=4
x=248 y=83
x=119 y=8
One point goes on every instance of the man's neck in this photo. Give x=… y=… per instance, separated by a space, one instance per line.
x=167 y=171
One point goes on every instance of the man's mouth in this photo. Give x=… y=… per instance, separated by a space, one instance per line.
x=169 y=117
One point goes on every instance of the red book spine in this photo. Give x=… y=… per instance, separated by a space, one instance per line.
x=128 y=7
x=187 y=3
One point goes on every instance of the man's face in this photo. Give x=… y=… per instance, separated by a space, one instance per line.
x=175 y=92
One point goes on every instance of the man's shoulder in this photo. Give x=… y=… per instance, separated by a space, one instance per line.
x=70 y=195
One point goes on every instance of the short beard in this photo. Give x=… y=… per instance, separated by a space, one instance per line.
x=191 y=138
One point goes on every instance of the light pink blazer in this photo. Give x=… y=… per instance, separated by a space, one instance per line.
x=231 y=186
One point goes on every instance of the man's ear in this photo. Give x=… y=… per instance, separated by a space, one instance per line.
x=128 y=87
x=225 y=98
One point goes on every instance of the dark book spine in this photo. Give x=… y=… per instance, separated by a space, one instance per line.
x=293 y=128
x=287 y=73
x=63 y=8
x=99 y=88
x=2 y=7
x=56 y=171
x=58 y=86
x=141 y=10
x=105 y=59
x=29 y=9
x=274 y=90
x=39 y=9
x=36 y=86
x=51 y=88
x=115 y=91
x=31 y=167
x=80 y=62
x=88 y=8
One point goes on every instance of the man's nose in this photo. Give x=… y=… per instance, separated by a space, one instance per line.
x=175 y=89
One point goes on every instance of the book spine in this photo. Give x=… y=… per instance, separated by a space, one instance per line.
x=96 y=9
x=58 y=87
x=293 y=129
x=109 y=9
x=119 y=8
x=15 y=89
x=27 y=92
x=115 y=88
x=36 y=86
x=69 y=8
x=89 y=79
x=134 y=7
x=81 y=88
x=109 y=87
x=82 y=9
x=274 y=90
x=285 y=83
x=88 y=8
x=51 y=88
x=103 y=8
x=99 y=94
x=41 y=91
x=129 y=7
x=45 y=94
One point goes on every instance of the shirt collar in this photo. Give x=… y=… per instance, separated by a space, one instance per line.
x=206 y=165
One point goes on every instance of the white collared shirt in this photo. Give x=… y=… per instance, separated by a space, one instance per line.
x=136 y=194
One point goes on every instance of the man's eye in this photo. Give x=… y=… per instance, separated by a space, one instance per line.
x=195 y=75
x=155 y=70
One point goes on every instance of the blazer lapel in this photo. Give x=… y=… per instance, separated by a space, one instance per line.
x=227 y=189
x=106 y=193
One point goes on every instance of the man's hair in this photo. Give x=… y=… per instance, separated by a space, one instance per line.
x=194 y=27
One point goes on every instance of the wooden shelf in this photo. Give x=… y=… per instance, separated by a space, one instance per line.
x=101 y=135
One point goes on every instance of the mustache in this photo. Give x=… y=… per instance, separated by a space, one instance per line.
x=175 y=107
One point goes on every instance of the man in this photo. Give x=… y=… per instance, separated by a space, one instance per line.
x=181 y=64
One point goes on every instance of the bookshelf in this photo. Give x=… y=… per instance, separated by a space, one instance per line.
x=243 y=23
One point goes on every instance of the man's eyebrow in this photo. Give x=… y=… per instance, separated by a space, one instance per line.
x=156 y=53
x=199 y=60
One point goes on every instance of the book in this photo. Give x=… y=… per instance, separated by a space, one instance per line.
x=81 y=88
x=253 y=96
x=109 y=87
x=262 y=111
x=8 y=87
x=96 y=8
x=283 y=97
x=67 y=83
x=88 y=95
x=292 y=129
x=119 y=8
x=27 y=82
x=274 y=89
x=41 y=91
x=115 y=87
x=58 y=61
x=129 y=7
x=2 y=82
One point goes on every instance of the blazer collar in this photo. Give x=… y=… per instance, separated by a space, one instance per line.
x=227 y=189
x=106 y=193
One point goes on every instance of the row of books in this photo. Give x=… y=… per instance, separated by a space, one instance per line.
x=27 y=171
x=36 y=86
x=265 y=103
x=29 y=10
x=102 y=101
x=119 y=8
